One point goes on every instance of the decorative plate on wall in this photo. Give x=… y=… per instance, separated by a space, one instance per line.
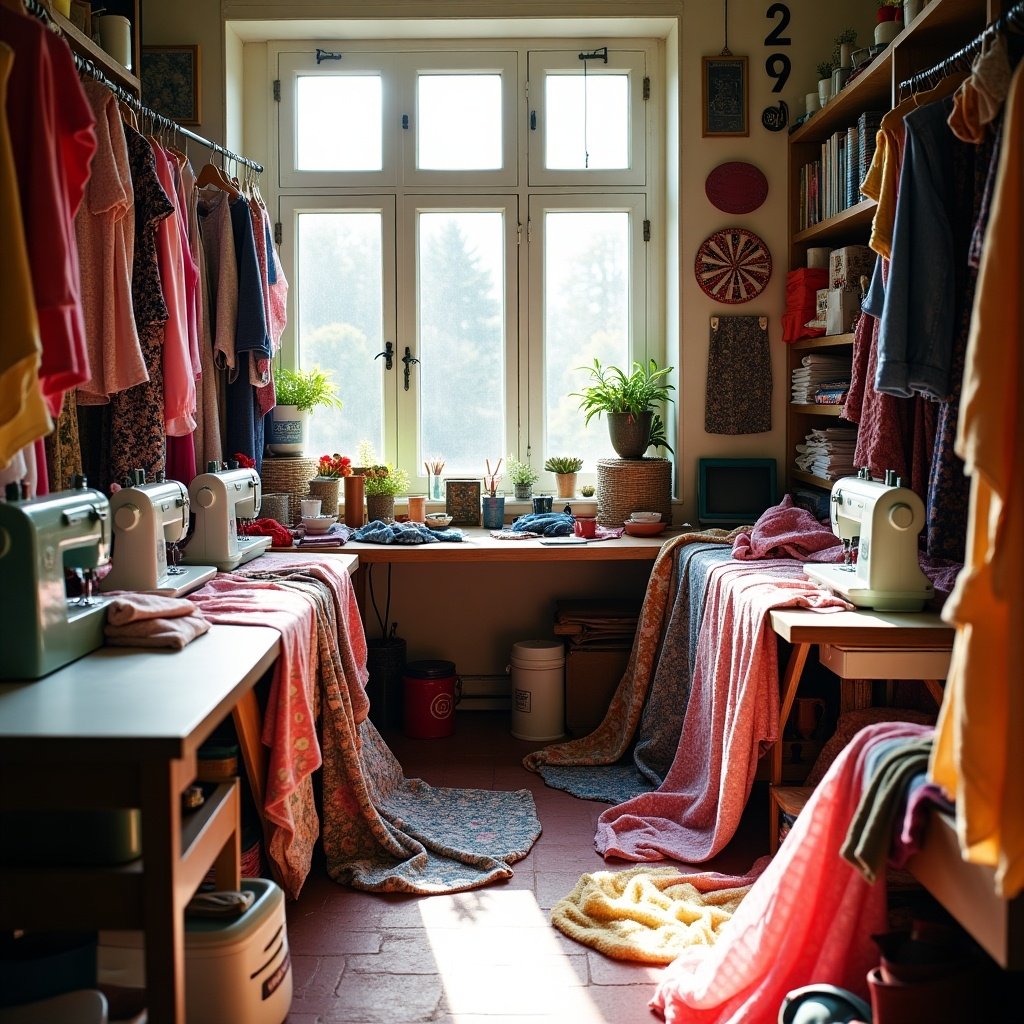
x=733 y=265
x=736 y=187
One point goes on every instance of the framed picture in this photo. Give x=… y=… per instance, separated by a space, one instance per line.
x=462 y=501
x=724 y=96
x=170 y=82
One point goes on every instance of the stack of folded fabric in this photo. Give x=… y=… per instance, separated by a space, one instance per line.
x=335 y=537
x=828 y=453
x=151 y=620
x=814 y=371
x=802 y=302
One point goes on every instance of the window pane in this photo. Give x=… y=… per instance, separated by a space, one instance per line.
x=461 y=313
x=459 y=125
x=340 y=325
x=587 y=121
x=586 y=315
x=338 y=119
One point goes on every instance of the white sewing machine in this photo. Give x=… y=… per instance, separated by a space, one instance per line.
x=219 y=500
x=879 y=523
x=148 y=517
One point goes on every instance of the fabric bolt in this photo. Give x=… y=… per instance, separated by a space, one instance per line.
x=52 y=132
x=179 y=381
x=649 y=914
x=980 y=734
x=786 y=531
x=808 y=917
x=137 y=436
x=737 y=398
x=731 y=719
x=23 y=413
x=105 y=234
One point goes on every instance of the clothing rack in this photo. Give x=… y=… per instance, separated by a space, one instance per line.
x=1012 y=18
x=88 y=67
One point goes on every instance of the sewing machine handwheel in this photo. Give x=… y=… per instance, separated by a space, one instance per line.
x=127 y=517
x=205 y=497
x=901 y=516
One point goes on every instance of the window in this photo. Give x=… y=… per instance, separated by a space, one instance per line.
x=463 y=229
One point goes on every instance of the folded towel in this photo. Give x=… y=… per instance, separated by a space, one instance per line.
x=788 y=531
x=173 y=633
x=547 y=524
x=128 y=606
x=379 y=532
x=334 y=537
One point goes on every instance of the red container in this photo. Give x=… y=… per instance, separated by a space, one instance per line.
x=431 y=689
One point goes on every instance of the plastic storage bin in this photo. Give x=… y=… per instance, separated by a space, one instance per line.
x=538 y=690
x=235 y=970
x=431 y=689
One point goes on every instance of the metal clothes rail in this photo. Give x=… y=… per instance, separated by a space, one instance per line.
x=159 y=121
x=1012 y=19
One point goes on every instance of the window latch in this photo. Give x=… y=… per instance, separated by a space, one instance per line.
x=389 y=356
x=408 y=359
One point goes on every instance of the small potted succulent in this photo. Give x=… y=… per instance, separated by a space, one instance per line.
x=523 y=477
x=565 y=468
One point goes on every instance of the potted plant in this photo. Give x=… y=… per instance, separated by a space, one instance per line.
x=298 y=393
x=630 y=401
x=326 y=484
x=565 y=468
x=381 y=484
x=523 y=477
x=824 y=69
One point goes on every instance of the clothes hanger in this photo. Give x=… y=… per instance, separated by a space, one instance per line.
x=213 y=175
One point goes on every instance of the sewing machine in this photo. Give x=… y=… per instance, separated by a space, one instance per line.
x=146 y=518
x=219 y=499
x=879 y=525
x=43 y=628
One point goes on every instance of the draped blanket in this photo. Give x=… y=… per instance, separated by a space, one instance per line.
x=381 y=831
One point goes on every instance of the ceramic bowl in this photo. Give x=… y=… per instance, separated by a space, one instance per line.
x=318 y=524
x=646 y=517
x=641 y=529
x=438 y=520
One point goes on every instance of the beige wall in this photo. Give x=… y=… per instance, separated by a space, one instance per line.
x=233 y=73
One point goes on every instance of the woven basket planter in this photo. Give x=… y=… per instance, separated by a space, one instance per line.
x=328 y=490
x=625 y=486
x=288 y=475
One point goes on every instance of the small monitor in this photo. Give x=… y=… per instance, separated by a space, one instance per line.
x=734 y=492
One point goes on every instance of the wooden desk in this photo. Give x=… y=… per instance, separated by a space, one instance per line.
x=120 y=728
x=881 y=645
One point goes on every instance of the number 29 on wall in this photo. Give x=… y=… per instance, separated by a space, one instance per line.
x=778 y=65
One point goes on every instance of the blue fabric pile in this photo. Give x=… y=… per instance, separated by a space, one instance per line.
x=547 y=524
x=379 y=532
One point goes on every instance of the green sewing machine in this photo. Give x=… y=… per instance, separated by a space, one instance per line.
x=40 y=538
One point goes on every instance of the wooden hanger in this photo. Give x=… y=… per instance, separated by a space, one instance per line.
x=213 y=175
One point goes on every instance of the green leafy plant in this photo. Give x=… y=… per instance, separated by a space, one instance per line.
x=825 y=68
x=643 y=389
x=521 y=473
x=305 y=389
x=564 y=464
x=385 y=480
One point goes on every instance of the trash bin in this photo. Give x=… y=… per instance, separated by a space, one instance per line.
x=431 y=689
x=538 y=690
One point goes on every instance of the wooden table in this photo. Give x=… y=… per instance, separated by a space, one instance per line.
x=120 y=728
x=859 y=644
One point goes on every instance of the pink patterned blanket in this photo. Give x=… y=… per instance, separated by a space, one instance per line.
x=731 y=719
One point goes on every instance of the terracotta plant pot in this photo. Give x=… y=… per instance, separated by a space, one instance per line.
x=565 y=484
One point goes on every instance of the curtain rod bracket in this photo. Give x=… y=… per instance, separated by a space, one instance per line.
x=600 y=54
x=322 y=55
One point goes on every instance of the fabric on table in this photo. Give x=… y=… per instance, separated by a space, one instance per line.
x=280 y=535
x=130 y=606
x=808 y=918
x=739 y=377
x=379 y=532
x=731 y=719
x=612 y=738
x=544 y=524
x=924 y=798
x=650 y=914
x=786 y=531
x=174 y=633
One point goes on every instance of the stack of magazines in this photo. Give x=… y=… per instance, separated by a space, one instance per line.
x=815 y=371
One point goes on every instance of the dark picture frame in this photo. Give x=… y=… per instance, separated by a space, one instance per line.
x=723 y=96
x=171 y=79
x=462 y=501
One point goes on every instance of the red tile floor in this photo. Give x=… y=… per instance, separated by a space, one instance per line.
x=488 y=956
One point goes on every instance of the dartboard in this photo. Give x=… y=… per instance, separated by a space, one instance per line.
x=733 y=265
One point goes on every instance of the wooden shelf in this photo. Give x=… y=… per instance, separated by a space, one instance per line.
x=809 y=478
x=813 y=409
x=791 y=799
x=826 y=341
x=81 y=44
x=854 y=222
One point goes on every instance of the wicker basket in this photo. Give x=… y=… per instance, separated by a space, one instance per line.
x=289 y=475
x=275 y=506
x=625 y=486
x=328 y=490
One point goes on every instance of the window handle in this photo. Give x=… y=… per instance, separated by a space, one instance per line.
x=389 y=356
x=408 y=359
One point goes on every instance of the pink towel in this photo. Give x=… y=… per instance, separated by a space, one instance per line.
x=731 y=718
x=150 y=632
x=786 y=530
x=807 y=919
x=129 y=606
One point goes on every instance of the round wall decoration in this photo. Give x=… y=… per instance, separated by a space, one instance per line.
x=736 y=187
x=733 y=265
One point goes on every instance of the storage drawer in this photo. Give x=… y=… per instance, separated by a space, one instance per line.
x=885 y=663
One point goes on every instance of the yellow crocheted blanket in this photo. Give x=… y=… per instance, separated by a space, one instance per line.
x=650 y=914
